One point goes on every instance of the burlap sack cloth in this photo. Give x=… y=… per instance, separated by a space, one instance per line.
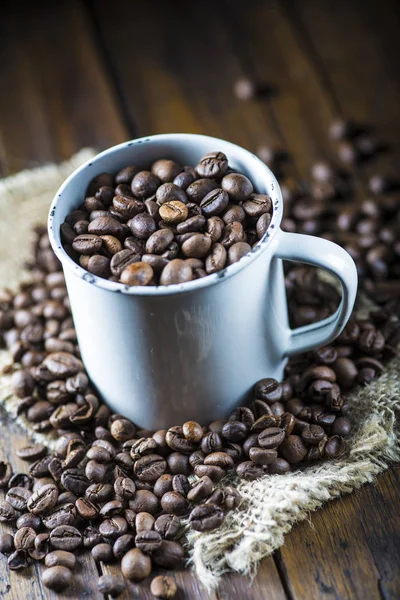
x=272 y=504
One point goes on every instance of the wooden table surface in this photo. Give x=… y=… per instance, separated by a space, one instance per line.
x=96 y=73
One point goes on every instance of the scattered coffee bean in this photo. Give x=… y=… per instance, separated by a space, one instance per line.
x=163 y=587
x=57 y=578
x=110 y=585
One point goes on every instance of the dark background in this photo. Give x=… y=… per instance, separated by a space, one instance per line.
x=94 y=73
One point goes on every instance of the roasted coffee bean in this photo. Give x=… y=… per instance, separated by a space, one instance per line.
x=144 y=521
x=232 y=497
x=21 y=480
x=341 y=427
x=63 y=514
x=293 y=449
x=213 y=164
x=86 y=509
x=170 y=555
x=123 y=544
x=257 y=204
x=145 y=501
x=43 y=500
x=135 y=565
x=113 y=527
x=180 y=484
x=213 y=472
x=18 y=497
x=22 y=383
x=17 y=560
x=62 y=364
x=99 y=492
x=138 y=273
x=200 y=490
x=29 y=520
x=5 y=473
x=60 y=558
x=57 y=578
x=168 y=526
x=215 y=226
x=163 y=485
x=110 y=585
x=206 y=517
x=197 y=190
x=166 y=170
x=66 y=537
x=6 y=543
x=177 y=441
x=335 y=447
x=111 y=508
x=142 y=446
x=197 y=246
x=24 y=538
x=237 y=251
x=102 y=553
x=164 y=587
x=172 y=502
x=87 y=244
x=264 y=422
x=214 y=203
x=169 y=192
x=239 y=187
x=280 y=466
x=75 y=481
x=148 y=541
x=219 y=459
x=262 y=225
x=176 y=271
x=249 y=470
x=234 y=431
x=268 y=390
x=124 y=487
x=262 y=456
x=271 y=437
x=211 y=442
x=196 y=458
x=313 y=434
x=192 y=431
x=150 y=467
x=346 y=372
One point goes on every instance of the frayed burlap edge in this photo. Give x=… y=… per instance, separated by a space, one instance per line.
x=272 y=504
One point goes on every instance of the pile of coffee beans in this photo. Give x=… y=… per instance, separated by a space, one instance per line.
x=124 y=493
x=166 y=225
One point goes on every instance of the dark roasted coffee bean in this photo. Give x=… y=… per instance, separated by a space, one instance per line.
x=257 y=204
x=62 y=514
x=123 y=544
x=180 y=484
x=264 y=422
x=234 y=431
x=213 y=164
x=196 y=458
x=335 y=447
x=249 y=470
x=29 y=520
x=341 y=427
x=172 y=502
x=163 y=485
x=211 y=442
x=60 y=558
x=177 y=441
x=124 y=487
x=66 y=537
x=22 y=383
x=85 y=509
x=145 y=501
x=279 y=467
x=206 y=517
x=138 y=273
x=102 y=553
x=197 y=190
x=271 y=437
x=232 y=497
x=24 y=538
x=237 y=251
x=17 y=560
x=111 y=508
x=163 y=587
x=150 y=467
x=110 y=585
x=213 y=472
x=200 y=490
x=313 y=434
x=239 y=187
x=144 y=521
x=166 y=170
x=293 y=449
x=5 y=473
x=43 y=500
x=62 y=364
x=192 y=431
x=179 y=463
x=113 y=527
x=135 y=565
x=99 y=492
x=6 y=543
x=57 y=578
x=18 y=497
x=87 y=244
x=262 y=456
x=262 y=225
x=170 y=555
x=148 y=541
x=219 y=459
x=268 y=390
x=214 y=203
x=75 y=481
x=346 y=372
x=168 y=526
x=176 y=271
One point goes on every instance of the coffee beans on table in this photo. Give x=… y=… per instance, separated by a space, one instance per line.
x=124 y=493
x=166 y=225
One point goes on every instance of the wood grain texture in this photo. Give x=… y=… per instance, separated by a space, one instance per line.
x=55 y=95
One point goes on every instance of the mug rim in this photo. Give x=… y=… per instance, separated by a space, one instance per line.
x=179 y=288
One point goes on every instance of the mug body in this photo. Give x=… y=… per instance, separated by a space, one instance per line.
x=193 y=351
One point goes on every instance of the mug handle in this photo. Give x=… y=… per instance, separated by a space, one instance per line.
x=324 y=254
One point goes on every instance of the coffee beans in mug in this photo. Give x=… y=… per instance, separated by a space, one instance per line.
x=163 y=216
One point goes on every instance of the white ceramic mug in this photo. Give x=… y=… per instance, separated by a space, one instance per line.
x=163 y=355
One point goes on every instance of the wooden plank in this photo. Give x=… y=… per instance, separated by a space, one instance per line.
x=18 y=585
x=56 y=97
x=177 y=68
x=329 y=556
x=266 y=584
x=378 y=507
x=361 y=70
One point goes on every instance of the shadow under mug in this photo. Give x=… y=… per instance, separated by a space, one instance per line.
x=193 y=351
